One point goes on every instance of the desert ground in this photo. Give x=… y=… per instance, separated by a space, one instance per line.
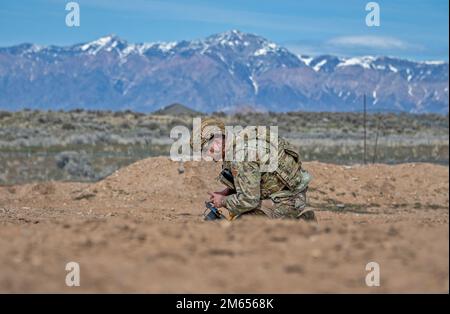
x=141 y=230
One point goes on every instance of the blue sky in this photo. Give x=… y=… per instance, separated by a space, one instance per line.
x=414 y=29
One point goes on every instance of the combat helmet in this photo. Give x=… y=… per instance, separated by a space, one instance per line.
x=209 y=128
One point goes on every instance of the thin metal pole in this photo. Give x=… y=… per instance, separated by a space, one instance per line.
x=376 y=140
x=365 y=132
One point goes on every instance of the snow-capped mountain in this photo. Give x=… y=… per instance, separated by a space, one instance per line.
x=221 y=72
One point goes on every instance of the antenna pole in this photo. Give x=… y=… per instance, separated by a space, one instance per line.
x=365 y=132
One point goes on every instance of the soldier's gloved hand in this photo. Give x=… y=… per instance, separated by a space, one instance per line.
x=217 y=199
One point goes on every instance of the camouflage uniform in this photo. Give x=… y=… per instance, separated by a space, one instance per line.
x=278 y=194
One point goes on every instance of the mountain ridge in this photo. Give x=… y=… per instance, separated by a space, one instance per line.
x=221 y=72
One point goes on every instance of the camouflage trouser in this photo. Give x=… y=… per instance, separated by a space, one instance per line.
x=293 y=206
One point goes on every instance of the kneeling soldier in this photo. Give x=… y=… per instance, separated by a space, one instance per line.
x=277 y=194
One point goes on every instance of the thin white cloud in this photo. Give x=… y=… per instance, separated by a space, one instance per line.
x=374 y=42
x=348 y=46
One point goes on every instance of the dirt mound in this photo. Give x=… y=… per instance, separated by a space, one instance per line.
x=44 y=188
x=162 y=182
x=160 y=178
x=168 y=184
x=140 y=229
x=417 y=184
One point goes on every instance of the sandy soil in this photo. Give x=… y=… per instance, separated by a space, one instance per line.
x=141 y=230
